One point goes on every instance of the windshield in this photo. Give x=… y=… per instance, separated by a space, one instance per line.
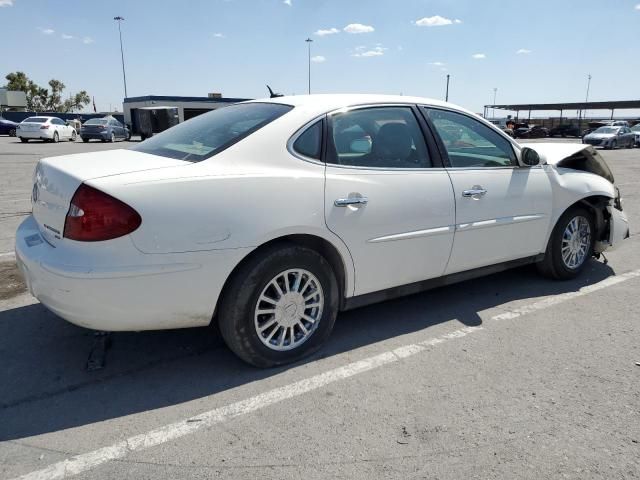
x=96 y=121
x=636 y=128
x=607 y=130
x=212 y=132
x=35 y=120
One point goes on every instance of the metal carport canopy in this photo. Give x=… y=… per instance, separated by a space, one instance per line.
x=615 y=105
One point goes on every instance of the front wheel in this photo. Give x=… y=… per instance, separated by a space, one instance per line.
x=280 y=306
x=56 y=137
x=570 y=245
x=74 y=136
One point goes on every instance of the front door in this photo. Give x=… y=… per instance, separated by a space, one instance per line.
x=386 y=197
x=502 y=210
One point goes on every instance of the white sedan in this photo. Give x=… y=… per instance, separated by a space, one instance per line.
x=272 y=216
x=49 y=129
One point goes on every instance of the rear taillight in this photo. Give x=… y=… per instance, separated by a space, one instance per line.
x=44 y=127
x=94 y=216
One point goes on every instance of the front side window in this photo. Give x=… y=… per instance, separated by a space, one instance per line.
x=469 y=143
x=378 y=137
x=210 y=133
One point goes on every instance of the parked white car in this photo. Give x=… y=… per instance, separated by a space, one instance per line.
x=49 y=129
x=271 y=216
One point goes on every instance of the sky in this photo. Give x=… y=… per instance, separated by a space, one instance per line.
x=530 y=51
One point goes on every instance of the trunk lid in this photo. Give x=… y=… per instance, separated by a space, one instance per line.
x=30 y=127
x=56 y=180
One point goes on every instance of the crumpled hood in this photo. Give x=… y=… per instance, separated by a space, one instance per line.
x=556 y=152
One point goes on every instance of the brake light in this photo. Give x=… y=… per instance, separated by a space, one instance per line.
x=44 y=127
x=94 y=216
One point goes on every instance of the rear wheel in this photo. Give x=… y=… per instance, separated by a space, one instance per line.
x=112 y=138
x=12 y=132
x=74 y=136
x=570 y=245
x=280 y=306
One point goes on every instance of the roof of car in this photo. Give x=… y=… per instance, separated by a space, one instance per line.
x=336 y=101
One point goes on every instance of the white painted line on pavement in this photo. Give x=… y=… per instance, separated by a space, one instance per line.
x=563 y=297
x=87 y=461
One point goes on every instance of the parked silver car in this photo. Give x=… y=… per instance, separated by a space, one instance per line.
x=610 y=137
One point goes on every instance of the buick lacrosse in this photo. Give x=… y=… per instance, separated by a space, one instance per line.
x=271 y=216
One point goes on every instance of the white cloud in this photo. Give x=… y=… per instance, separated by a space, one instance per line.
x=87 y=40
x=328 y=31
x=435 y=21
x=373 y=52
x=437 y=64
x=219 y=35
x=287 y=2
x=457 y=21
x=358 y=28
x=6 y=3
x=46 y=31
x=523 y=51
x=66 y=37
x=479 y=56
x=318 y=59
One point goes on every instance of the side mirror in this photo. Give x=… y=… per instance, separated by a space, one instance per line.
x=530 y=158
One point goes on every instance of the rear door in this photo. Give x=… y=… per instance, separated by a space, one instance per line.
x=387 y=196
x=502 y=210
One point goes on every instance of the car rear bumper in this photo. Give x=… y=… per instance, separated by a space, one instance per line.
x=95 y=136
x=37 y=134
x=145 y=292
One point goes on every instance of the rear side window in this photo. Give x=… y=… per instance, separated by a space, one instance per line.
x=210 y=133
x=35 y=120
x=309 y=143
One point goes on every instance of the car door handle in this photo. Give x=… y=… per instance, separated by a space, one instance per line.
x=345 y=202
x=474 y=192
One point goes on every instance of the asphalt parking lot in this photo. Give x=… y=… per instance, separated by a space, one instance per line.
x=511 y=376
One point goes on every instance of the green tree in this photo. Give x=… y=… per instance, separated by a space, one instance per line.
x=39 y=99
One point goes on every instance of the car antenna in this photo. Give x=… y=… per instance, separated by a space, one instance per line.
x=272 y=94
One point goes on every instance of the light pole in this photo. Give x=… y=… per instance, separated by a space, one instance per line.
x=586 y=99
x=493 y=110
x=308 y=40
x=446 y=96
x=124 y=75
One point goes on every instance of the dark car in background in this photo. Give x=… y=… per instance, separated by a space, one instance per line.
x=565 y=131
x=7 y=127
x=106 y=129
x=531 y=131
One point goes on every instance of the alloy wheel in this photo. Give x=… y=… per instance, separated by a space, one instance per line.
x=576 y=241
x=289 y=309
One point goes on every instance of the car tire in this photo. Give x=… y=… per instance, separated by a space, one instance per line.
x=112 y=138
x=85 y=140
x=24 y=140
x=564 y=259
x=269 y=339
x=74 y=137
x=612 y=146
x=56 y=137
x=12 y=132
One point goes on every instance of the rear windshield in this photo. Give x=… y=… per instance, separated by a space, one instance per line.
x=35 y=120
x=96 y=121
x=212 y=132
